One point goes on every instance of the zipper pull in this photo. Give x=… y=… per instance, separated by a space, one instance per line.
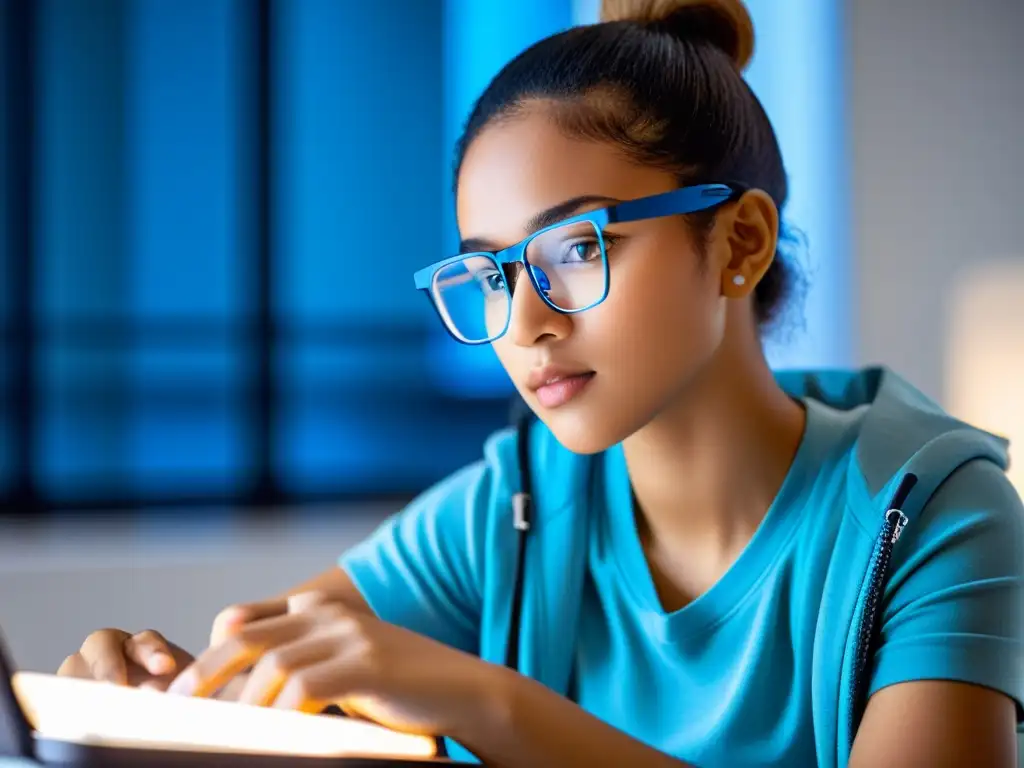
x=898 y=500
x=521 y=511
x=901 y=523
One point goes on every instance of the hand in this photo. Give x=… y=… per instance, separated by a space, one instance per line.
x=145 y=659
x=322 y=653
x=234 y=617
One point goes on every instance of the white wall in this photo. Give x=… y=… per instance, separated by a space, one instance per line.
x=58 y=585
x=937 y=139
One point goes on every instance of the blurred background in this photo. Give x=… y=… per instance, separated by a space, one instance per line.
x=215 y=373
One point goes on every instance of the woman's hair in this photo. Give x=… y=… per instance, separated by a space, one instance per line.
x=662 y=80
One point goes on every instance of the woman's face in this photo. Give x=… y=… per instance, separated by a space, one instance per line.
x=664 y=315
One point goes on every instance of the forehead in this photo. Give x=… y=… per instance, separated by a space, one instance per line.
x=519 y=166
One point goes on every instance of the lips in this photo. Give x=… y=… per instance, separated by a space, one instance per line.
x=557 y=385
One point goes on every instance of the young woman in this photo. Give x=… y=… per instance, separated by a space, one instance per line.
x=684 y=559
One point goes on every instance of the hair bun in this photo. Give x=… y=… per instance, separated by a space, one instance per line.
x=726 y=24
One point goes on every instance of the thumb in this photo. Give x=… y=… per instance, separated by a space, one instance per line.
x=234 y=617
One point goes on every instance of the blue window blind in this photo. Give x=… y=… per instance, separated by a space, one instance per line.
x=6 y=364
x=357 y=140
x=80 y=262
x=139 y=285
x=230 y=199
x=186 y=236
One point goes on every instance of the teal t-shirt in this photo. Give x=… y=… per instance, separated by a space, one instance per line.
x=728 y=680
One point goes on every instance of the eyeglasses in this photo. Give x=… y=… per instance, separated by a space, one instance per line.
x=566 y=263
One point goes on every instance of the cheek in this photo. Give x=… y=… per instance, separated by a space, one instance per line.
x=516 y=360
x=663 y=310
x=662 y=321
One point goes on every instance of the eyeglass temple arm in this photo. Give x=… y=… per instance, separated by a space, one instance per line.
x=677 y=201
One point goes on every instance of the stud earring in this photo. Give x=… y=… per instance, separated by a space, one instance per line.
x=739 y=280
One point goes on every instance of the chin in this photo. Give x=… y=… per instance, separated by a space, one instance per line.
x=583 y=431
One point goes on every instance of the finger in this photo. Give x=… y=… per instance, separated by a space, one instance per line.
x=151 y=651
x=233 y=689
x=313 y=688
x=75 y=666
x=182 y=658
x=229 y=621
x=141 y=677
x=305 y=601
x=104 y=652
x=156 y=683
x=275 y=668
x=217 y=665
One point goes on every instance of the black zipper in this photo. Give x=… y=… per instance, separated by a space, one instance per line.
x=878 y=575
x=522 y=522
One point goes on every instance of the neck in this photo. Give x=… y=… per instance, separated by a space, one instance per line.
x=709 y=465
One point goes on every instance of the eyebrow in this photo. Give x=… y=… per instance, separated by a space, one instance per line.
x=545 y=218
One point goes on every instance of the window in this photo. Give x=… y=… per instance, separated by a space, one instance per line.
x=228 y=205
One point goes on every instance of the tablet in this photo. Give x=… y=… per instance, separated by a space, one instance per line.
x=67 y=722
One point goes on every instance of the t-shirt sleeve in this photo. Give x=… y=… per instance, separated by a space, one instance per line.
x=955 y=604
x=422 y=568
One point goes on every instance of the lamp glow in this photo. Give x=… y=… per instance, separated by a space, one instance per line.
x=985 y=360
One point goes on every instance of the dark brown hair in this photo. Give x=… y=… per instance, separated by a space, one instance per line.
x=661 y=79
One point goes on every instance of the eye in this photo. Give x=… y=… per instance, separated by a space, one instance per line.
x=583 y=251
x=493 y=282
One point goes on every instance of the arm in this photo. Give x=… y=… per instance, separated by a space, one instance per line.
x=937 y=723
x=524 y=724
x=417 y=571
x=322 y=654
x=949 y=668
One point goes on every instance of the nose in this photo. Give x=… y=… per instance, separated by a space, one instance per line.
x=532 y=318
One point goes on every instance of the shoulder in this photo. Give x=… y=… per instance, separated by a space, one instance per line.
x=480 y=484
x=479 y=495
x=959 y=565
x=979 y=487
x=424 y=567
x=464 y=502
x=954 y=604
x=965 y=543
x=974 y=521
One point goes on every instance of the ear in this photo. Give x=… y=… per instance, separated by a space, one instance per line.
x=749 y=232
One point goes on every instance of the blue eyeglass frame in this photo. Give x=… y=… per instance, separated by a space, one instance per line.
x=691 y=199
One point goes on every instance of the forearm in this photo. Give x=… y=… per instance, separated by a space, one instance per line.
x=522 y=723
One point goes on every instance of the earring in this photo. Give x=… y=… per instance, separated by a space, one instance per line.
x=739 y=280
